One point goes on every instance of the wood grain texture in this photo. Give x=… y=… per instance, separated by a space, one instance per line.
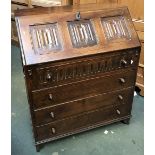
x=77 y=88
x=83 y=89
x=140 y=74
x=63 y=110
x=79 y=2
x=82 y=121
x=67 y=50
x=135 y=7
x=59 y=73
x=25 y=4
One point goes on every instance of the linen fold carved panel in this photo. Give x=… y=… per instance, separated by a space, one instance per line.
x=82 y=33
x=116 y=27
x=45 y=38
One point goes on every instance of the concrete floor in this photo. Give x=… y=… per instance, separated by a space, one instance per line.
x=121 y=139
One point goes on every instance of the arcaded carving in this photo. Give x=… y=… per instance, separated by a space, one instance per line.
x=45 y=38
x=116 y=27
x=82 y=33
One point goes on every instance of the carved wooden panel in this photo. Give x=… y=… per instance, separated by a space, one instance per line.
x=45 y=38
x=82 y=33
x=81 y=69
x=115 y=28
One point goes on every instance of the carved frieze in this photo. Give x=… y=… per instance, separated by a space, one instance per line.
x=83 y=69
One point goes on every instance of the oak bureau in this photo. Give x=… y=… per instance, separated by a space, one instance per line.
x=80 y=65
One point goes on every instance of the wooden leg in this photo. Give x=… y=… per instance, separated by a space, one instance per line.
x=38 y=148
x=126 y=121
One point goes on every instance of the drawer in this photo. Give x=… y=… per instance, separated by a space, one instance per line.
x=83 y=89
x=81 y=122
x=54 y=74
x=61 y=111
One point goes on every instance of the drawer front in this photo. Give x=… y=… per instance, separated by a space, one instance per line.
x=72 y=108
x=83 y=89
x=82 y=121
x=74 y=70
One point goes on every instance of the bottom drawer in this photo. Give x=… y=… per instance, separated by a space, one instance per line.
x=82 y=121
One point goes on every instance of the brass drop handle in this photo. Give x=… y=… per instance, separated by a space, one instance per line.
x=48 y=77
x=120 y=97
x=122 y=80
x=118 y=112
x=52 y=114
x=123 y=62
x=53 y=130
x=50 y=96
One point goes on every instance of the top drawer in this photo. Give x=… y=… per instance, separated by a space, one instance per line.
x=83 y=89
x=54 y=74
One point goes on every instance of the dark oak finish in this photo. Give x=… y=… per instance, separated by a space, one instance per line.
x=74 y=70
x=82 y=89
x=80 y=67
x=61 y=111
x=84 y=120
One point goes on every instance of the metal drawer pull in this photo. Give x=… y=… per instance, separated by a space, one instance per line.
x=50 y=96
x=118 y=112
x=53 y=130
x=123 y=62
x=120 y=97
x=48 y=76
x=52 y=114
x=137 y=53
x=122 y=80
x=131 y=61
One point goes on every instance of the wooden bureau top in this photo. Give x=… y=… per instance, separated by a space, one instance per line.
x=60 y=33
